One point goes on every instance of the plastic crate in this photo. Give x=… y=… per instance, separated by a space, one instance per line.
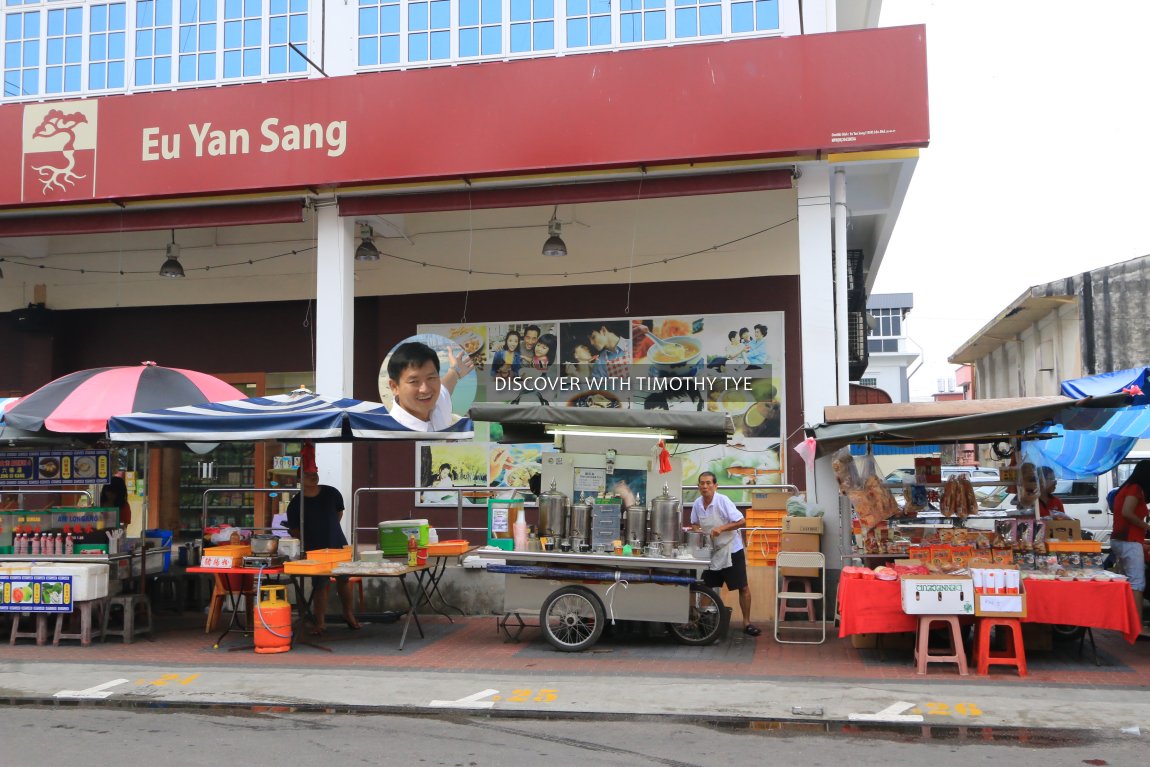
x=307 y=567
x=447 y=548
x=329 y=555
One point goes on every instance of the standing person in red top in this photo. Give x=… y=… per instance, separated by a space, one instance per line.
x=1130 y=528
x=1048 y=502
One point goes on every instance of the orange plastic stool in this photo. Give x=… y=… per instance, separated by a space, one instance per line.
x=806 y=609
x=357 y=584
x=954 y=653
x=1013 y=655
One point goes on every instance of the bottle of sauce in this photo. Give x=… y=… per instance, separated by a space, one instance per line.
x=412 y=551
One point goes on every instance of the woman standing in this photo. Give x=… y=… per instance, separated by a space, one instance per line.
x=1130 y=528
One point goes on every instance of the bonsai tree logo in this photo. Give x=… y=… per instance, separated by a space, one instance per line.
x=55 y=124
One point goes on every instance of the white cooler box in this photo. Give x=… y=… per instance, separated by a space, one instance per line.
x=89 y=580
x=937 y=595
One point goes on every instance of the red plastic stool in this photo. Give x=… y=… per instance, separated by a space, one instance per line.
x=954 y=653
x=807 y=609
x=1013 y=655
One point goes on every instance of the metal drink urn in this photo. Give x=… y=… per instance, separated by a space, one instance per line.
x=551 y=506
x=666 y=522
x=580 y=525
x=636 y=524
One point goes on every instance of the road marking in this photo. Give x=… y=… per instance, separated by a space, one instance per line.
x=471 y=701
x=892 y=713
x=99 y=691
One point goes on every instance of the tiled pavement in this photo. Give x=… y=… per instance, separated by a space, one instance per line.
x=639 y=650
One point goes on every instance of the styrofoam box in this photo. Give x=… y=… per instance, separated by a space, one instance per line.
x=937 y=595
x=89 y=579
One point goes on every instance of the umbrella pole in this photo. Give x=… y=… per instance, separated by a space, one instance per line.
x=144 y=522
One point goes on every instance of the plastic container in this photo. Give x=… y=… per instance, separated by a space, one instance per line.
x=447 y=548
x=164 y=538
x=330 y=555
x=393 y=535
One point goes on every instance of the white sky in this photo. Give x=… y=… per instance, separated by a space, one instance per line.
x=1038 y=166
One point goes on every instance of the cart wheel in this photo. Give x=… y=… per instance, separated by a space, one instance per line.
x=706 y=621
x=1068 y=633
x=572 y=618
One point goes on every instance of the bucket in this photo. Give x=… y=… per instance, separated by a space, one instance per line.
x=273 y=620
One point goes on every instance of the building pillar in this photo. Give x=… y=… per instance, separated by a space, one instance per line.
x=335 y=335
x=817 y=299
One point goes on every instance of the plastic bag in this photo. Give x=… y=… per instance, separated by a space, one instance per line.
x=843 y=464
x=797 y=506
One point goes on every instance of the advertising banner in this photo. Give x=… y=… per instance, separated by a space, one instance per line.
x=54 y=467
x=35 y=593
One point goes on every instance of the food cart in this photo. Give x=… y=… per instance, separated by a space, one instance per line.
x=598 y=558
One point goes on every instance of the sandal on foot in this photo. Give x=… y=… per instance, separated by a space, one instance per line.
x=751 y=630
x=353 y=624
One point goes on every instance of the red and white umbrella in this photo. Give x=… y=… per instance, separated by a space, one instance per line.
x=82 y=402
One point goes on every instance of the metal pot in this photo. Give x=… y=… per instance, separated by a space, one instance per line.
x=666 y=524
x=551 y=507
x=265 y=545
x=696 y=539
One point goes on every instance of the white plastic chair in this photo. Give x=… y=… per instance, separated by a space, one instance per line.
x=800 y=559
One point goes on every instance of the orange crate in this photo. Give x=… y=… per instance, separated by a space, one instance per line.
x=307 y=567
x=447 y=548
x=1089 y=547
x=759 y=518
x=330 y=555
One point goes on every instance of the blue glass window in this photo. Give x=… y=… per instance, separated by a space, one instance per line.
x=698 y=18
x=429 y=27
x=287 y=23
x=243 y=22
x=588 y=23
x=106 y=47
x=197 y=46
x=153 y=55
x=642 y=20
x=754 y=16
x=480 y=27
x=64 y=44
x=379 y=32
x=22 y=54
x=532 y=25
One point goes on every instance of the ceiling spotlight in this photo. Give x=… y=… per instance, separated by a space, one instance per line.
x=366 y=250
x=554 y=245
x=171 y=267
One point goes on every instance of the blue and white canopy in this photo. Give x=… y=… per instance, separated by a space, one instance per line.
x=282 y=417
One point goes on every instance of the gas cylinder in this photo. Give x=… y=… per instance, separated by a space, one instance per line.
x=273 y=620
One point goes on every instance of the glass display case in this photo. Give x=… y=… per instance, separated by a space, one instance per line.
x=229 y=465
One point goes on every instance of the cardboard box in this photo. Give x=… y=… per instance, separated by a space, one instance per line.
x=769 y=500
x=800 y=542
x=813 y=525
x=762 y=583
x=1063 y=530
x=937 y=595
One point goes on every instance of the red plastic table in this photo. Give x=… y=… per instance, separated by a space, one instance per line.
x=875 y=607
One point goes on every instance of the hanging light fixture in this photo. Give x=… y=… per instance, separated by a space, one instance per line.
x=554 y=246
x=366 y=250
x=171 y=267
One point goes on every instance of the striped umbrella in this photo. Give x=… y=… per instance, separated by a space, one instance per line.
x=82 y=402
x=284 y=416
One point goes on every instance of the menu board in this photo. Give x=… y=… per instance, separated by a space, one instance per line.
x=54 y=467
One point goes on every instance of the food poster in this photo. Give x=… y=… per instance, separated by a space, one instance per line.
x=465 y=389
x=35 y=593
x=732 y=363
x=443 y=466
x=756 y=462
x=472 y=339
x=55 y=467
x=513 y=466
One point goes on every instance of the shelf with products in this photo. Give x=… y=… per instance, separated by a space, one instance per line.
x=228 y=465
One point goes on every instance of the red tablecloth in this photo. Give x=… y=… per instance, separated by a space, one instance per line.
x=875 y=607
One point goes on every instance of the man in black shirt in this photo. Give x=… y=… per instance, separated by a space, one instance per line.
x=323 y=510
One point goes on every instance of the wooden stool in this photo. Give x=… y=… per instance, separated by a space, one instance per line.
x=922 y=654
x=39 y=633
x=807 y=609
x=220 y=596
x=1013 y=655
x=129 y=605
x=85 y=632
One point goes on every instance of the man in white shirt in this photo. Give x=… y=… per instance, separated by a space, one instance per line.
x=422 y=397
x=717 y=516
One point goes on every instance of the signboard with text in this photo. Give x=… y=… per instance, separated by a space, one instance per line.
x=54 y=467
x=35 y=593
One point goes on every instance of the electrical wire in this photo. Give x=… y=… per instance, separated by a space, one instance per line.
x=76 y=270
